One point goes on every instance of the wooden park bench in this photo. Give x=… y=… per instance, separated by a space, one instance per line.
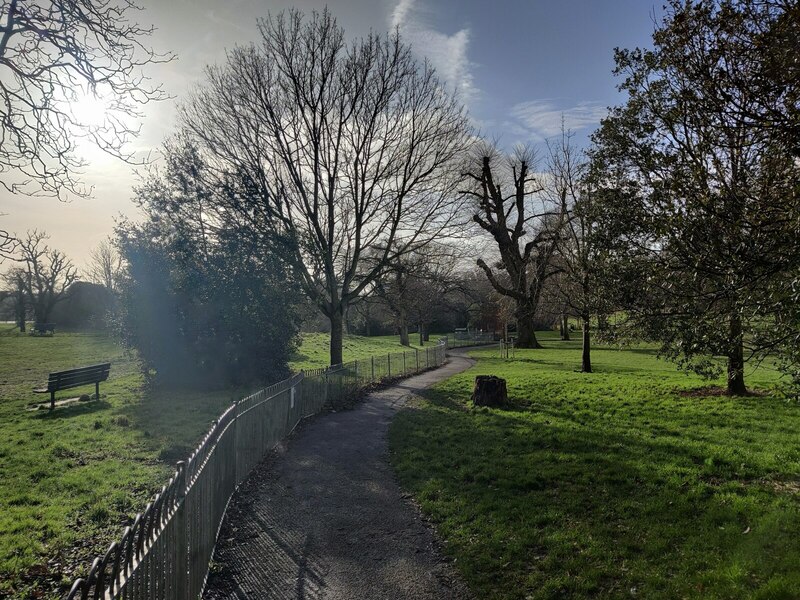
x=43 y=328
x=62 y=380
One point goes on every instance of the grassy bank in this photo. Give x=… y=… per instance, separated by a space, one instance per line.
x=616 y=484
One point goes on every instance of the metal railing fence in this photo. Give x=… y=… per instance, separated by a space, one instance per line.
x=165 y=553
x=462 y=340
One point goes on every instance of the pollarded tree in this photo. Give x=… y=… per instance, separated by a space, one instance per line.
x=714 y=190
x=349 y=144
x=47 y=274
x=525 y=227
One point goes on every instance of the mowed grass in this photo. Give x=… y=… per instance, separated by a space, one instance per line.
x=314 y=351
x=608 y=485
x=70 y=480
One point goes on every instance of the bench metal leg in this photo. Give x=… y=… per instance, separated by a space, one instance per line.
x=52 y=400
x=97 y=390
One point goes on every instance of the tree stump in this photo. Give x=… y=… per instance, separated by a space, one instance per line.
x=489 y=390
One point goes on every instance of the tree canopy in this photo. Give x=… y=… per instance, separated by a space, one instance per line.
x=703 y=193
x=348 y=145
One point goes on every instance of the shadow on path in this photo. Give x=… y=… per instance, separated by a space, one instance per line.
x=326 y=518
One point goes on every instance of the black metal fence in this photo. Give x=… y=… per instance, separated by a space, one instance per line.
x=164 y=554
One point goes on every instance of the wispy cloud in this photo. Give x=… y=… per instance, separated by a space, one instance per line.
x=446 y=53
x=543 y=118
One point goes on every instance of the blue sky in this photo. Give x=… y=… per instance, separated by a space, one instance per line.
x=525 y=64
x=519 y=65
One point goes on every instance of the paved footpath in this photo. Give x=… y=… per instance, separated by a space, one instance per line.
x=326 y=518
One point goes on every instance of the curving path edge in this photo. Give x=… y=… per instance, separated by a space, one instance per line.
x=325 y=518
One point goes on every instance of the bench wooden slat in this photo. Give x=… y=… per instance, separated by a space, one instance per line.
x=62 y=380
x=68 y=380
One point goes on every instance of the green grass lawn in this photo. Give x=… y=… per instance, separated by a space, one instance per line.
x=608 y=485
x=70 y=480
x=77 y=474
x=314 y=349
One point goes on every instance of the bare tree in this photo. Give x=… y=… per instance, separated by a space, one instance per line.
x=105 y=265
x=348 y=147
x=47 y=274
x=578 y=255
x=525 y=228
x=7 y=244
x=52 y=55
x=417 y=282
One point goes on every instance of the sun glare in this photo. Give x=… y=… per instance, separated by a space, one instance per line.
x=89 y=109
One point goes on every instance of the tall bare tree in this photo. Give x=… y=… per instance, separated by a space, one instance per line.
x=525 y=228
x=579 y=256
x=347 y=146
x=47 y=273
x=105 y=265
x=52 y=54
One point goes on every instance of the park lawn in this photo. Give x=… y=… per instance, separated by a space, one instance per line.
x=69 y=481
x=314 y=351
x=607 y=485
x=78 y=474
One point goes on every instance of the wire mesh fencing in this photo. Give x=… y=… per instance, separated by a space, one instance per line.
x=165 y=552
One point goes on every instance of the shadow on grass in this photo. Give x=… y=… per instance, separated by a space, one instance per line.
x=524 y=498
x=73 y=410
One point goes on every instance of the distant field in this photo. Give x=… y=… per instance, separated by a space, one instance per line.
x=79 y=473
x=608 y=485
x=314 y=350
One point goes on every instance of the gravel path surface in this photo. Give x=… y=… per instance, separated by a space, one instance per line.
x=326 y=519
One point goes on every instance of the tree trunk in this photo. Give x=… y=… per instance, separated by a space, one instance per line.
x=404 y=341
x=337 y=326
x=421 y=334
x=426 y=334
x=489 y=391
x=586 y=357
x=526 y=334
x=736 y=385
x=565 y=327
x=20 y=308
x=561 y=328
x=41 y=310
